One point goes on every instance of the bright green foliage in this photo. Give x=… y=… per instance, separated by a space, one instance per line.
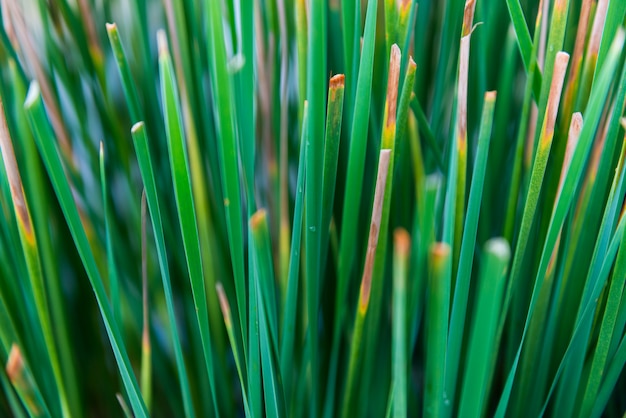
x=352 y=208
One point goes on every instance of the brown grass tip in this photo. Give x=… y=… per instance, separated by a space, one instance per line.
x=468 y=17
x=223 y=302
x=15 y=363
x=440 y=250
x=577 y=123
x=402 y=241
x=257 y=219
x=337 y=81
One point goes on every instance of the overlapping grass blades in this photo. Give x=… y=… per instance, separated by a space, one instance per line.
x=287 y=150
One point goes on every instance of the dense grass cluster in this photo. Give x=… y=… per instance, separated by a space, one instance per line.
x=312 y=208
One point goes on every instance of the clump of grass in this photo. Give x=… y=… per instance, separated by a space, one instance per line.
x=309 y=208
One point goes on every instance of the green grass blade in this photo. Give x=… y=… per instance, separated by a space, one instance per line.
x=524 y=41
x=356 y=348
x=566 y=396
x=461 y=290
x=334 y=115
x=265 y=294
x=572 y=178
x=114 y=286
x=128 y=85
x=228 y=322
x=45 y=142
x=437 y=307
x=607 y=330
x=402 y=242
x=610 y=379
x=358 y=142
x=289 y=317
x=316 y=86
x=227 y=146
x=146 y=347
x=536 y=180
x=140 y=141
x=586 y=314
x=265 y=271
x=185 y=202
x=483 y=332
x=29 y=243
x=22 y=380
x=388 y=141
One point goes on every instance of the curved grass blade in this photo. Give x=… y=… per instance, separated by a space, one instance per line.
x=45 y=142
x=598 y=96
x=567 y=394
x=600 y=359
x=22 y=380
x=610 y=379
x=587 y=310
x=228 y=322
x=28 y=239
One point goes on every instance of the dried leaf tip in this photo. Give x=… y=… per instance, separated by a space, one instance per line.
x=111 y=27
x=490 y=96
x=257 y=219
x=572 y=141
x=13 y=175
x=575 y=127
x=402 y=242
x=440 y=250
x=337 y=81
x=439 y=254
x=468 y=17
x=554 y=98
x=372 y=242
x=223 y=303
x=15 y=363
x=392 y=84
